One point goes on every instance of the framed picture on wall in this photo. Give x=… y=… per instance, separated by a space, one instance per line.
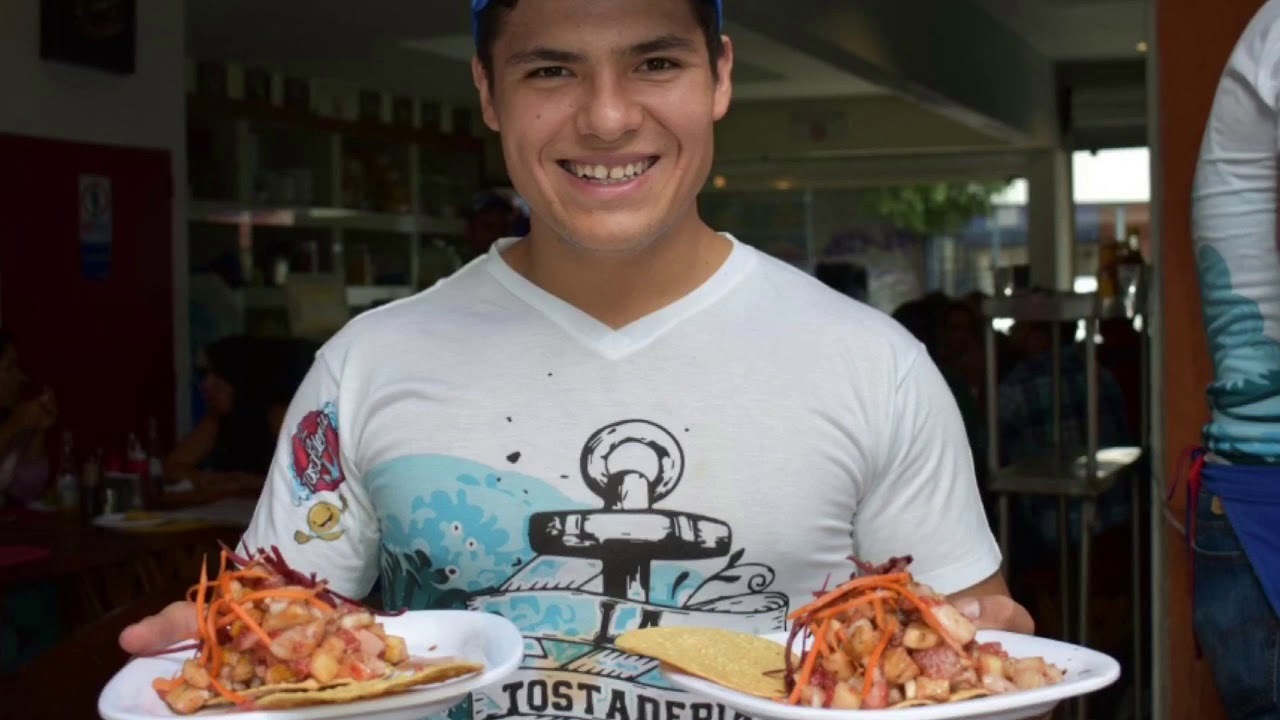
x=97 y=34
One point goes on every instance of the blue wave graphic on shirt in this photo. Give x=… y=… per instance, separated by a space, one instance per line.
x=1245 y=394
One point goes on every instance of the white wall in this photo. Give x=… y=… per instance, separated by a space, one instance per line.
x=146 y=109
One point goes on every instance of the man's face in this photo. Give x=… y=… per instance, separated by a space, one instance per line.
x=606 y=110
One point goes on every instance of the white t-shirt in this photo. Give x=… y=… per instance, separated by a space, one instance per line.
x=485 y=445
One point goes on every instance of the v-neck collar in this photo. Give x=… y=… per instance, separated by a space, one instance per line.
x=608 y=342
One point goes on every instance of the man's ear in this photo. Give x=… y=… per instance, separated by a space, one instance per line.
x=481 y=79
x=724 y=79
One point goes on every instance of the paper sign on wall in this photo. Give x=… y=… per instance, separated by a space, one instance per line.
x=95 y=226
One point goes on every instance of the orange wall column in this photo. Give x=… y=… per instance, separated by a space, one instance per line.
x=1193 y=41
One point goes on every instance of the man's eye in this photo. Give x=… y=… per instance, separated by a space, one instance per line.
x=554 y=71
x=658 y=65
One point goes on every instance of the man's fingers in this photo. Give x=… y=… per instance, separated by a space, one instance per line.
x=175 y=623
x=996 y=612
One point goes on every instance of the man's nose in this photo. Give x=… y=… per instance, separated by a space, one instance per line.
x=608 y=111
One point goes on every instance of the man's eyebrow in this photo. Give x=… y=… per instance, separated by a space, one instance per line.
x=544 y=55
x=663 y=43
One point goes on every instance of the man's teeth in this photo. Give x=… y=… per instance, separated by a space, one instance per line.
x=610 y=174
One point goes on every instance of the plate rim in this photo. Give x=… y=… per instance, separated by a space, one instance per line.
x=1049 y=695
x=491 y=624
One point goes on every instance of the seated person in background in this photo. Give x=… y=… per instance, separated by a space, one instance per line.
x=231 y=447
x=1026 y=422
x=24 y=458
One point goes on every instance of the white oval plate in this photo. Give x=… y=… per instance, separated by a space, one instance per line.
x=1086 y=671
x=481 y=637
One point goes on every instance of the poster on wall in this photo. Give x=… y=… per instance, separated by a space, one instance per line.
x=98 y=34
x=95 y=226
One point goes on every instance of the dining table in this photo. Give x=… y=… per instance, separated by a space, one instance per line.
x=68 y=585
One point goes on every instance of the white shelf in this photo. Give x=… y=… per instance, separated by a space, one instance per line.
x=231 y=213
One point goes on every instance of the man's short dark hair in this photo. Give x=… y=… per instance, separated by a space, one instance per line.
x=490 y=23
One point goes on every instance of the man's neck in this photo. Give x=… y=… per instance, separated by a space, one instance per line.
x=620 y=289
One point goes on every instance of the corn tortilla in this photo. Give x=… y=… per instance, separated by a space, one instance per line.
x=918 y=702
x=363 y=690
x=740 y=661
x=968 y=694
x=304 y=686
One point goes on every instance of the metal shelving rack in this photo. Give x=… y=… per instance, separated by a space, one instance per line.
x=1082 y=474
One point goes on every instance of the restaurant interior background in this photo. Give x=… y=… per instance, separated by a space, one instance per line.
x=273 y=168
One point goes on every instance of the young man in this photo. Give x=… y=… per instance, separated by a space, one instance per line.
x=625 y=418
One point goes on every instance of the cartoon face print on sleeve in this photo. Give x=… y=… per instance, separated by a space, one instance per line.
x=316 y=467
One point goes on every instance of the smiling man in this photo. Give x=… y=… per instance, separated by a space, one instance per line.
x=625 y=418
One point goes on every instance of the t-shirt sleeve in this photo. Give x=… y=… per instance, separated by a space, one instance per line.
x=1235 y=180
x=313 y=506
x=924 y=500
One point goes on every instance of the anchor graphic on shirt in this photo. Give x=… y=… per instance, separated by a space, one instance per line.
x=595 y=567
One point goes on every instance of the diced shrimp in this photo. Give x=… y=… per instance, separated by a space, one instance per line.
x=370 y=645
x=291 y=615
x=955 y=624
x=940 y=662
x=333 y=645
x=837 y=663
x=1028 y=679
x=195 y=675
x=1027 y=673
x=990 y=666
x=919 y=636
x=862 y=641
x=356 y=620
x=879 y=695
x=396 y=651
x=928 y=688
x=186 y=699
x=279 y=673
x=324 y=666
x=844 y=697
x=242 y=671
x=898 y=665
x=298 y=642
x=812 y=696
x=997 y=684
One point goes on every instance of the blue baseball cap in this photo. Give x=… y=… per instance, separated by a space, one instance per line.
x=478 y=5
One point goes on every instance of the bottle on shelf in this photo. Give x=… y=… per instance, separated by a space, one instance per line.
x=1108 y=251
x=68 y=484
x=91 y=487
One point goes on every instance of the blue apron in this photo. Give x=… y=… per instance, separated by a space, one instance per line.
x=1250 y=497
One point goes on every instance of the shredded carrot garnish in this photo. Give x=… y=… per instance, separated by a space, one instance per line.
x=873 y=663
x=844 y=589
x=805 y=673
x=846 y=606
x=832 y=618
x=254 y=627
x=219 y=610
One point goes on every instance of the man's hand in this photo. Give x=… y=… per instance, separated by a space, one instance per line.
x=996 y=612
x=170 y=626
x=989 y=607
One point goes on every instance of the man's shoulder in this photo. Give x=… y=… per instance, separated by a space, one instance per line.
x=807 y=304
x=437 y=311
